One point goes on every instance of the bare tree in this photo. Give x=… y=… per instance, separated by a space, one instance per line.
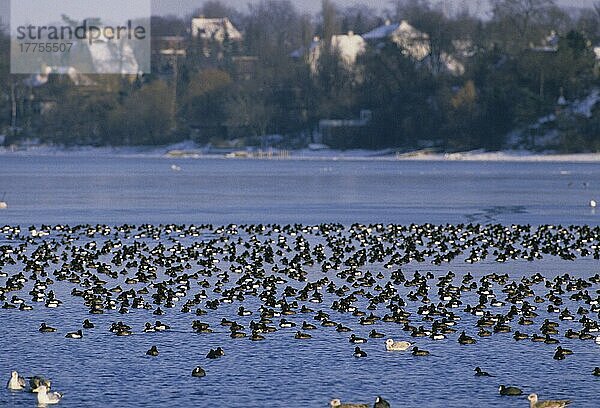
x=330 y=24
x=274 y=28
x=520 y=20
x=359 y=18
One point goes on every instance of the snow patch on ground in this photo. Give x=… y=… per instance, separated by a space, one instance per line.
x=189 y=150
x=584 y=107
x=505 y=155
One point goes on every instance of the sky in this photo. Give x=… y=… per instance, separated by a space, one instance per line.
x=183 y=7
x=50 y=11
x=310 y=6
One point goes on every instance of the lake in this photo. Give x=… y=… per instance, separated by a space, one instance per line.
x=63 y=189
x=104 y=370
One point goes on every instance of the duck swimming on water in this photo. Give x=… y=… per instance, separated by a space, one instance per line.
x=535 y=403
x=381 y=403
x=512 y=391
x=391 y=345
x=198 y=372
x=44 y=397
x=44 y=328
x=480 y=373
x=36 y=381
x=16 y=382
x=336 y=403
x=213 y=354
x=75 y=335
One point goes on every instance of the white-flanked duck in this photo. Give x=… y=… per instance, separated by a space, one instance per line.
x=74 y=335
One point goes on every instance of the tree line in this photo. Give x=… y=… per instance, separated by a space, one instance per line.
x=512 y=77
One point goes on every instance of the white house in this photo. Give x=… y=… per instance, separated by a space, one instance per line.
x=215 y=29
x=413 y=42
x=347 y=46
x=451 y=64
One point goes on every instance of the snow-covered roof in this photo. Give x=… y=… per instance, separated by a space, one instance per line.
x=414 y=42
x=390 y=30
x=382 y=32
x=216 y=29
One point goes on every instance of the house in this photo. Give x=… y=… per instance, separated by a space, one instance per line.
x=344 y=133
x=169 y=45
x=347 y=46
x=413 y=42
x=166 y=53
x=36 y=95
x=214 y=29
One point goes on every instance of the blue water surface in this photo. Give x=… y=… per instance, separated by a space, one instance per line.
x=103 y=370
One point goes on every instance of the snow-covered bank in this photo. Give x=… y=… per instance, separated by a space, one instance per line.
x=505 y=155
x=104 y=151
x=189 y=151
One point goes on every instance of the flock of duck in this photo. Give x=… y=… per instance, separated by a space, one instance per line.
x=304 y=279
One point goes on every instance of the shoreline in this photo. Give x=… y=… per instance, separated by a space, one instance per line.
x=179 y=152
